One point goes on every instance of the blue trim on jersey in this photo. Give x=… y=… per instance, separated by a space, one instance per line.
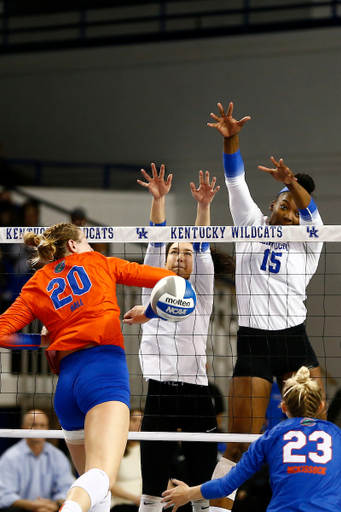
x=20 y=341
x=233 y=165
x=87 y=378
x=308 y=213
x=212 y=489
x=150 y=312
x=157 y=244
x=157 y=224
x=201 y=246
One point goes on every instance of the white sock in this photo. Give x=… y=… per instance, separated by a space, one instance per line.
x=104 y=505
x=223 y=467
x=71 y=506
x=218 y=509
x=200 y=505
x=150 y=503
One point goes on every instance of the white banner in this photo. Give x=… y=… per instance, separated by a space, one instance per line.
x=193 y=234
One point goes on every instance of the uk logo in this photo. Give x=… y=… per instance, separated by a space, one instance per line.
x=313 y=232
x=142 y=233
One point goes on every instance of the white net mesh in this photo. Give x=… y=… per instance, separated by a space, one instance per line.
x=26 y=380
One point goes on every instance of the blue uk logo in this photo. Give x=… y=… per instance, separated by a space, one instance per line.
x=312 y=231
x=142 y=232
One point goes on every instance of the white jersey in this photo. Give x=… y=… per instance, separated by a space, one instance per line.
x=177 y=351
x=271 y=277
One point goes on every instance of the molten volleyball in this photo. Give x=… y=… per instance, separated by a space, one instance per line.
x=173 y=298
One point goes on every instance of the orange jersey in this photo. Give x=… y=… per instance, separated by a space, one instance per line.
x=75 y=298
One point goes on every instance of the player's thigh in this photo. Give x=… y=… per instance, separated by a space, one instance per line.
x=77 y=453
x=106 y=432
x=248 y=401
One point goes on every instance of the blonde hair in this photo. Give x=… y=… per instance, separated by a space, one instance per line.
x=302 y=395
x=52 y=244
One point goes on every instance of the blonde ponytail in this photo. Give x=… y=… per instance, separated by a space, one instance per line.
x=52 y=244
x=302 y=395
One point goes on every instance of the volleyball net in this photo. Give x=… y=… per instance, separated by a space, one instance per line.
x=26 y=381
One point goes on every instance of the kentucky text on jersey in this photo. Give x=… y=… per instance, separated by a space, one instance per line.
x=197 y=232
x=277 y=246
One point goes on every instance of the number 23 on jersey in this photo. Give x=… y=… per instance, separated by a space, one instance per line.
x=323 y=448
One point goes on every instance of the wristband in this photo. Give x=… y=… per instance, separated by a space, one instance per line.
x=21 y=341
x=233 y=165
x=157 y=244
x=149 y=313
x=201 y=246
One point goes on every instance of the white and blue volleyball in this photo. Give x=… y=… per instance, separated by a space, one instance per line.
x=173 y=298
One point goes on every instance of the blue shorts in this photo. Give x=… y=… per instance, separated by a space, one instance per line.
x=87 y=378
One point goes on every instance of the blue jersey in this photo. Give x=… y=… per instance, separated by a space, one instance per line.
x=304 y=457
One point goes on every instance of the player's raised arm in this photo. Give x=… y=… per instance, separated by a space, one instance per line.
x=283 y=174
x=159 y=187
x=228 y=127
x=204 y=195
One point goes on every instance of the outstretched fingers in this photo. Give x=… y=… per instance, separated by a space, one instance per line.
x=225 y=123
x=266 y=169
x=244 y=120
x=222 y=111
x=147 y=177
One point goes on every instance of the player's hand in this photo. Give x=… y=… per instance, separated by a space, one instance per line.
x=178 y=496
x=45 y=337
x=281 y=172
x=135 y=316
x=157 y=185
x=225 y=123
x=206 y=191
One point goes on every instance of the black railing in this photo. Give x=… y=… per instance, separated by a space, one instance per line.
x=38 y=25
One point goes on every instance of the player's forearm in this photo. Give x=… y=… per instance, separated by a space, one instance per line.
x=21 y=341
x=17 y=316
x=231 y=144
x=195 y=493
x=301 y=197
x=203 y=215
x=158 y=210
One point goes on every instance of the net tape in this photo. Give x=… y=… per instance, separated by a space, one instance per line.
x=192 y=233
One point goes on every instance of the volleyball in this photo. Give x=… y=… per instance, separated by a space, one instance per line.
x=173 y=298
